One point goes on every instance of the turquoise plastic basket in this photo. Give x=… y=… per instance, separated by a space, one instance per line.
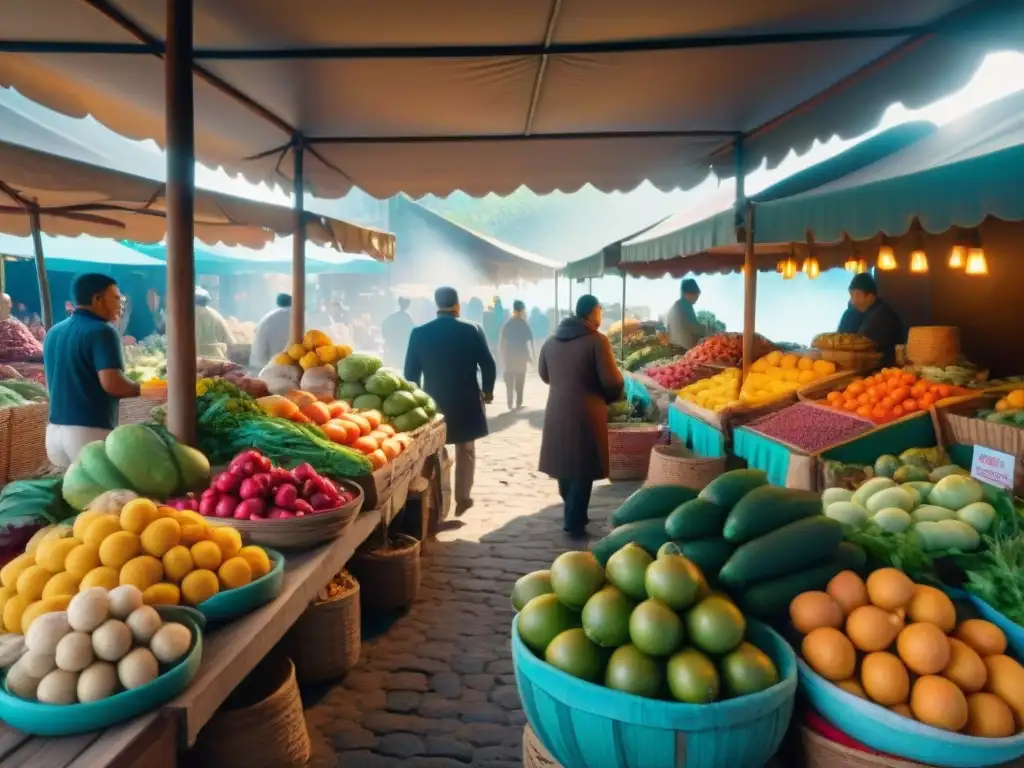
x=225 y=606
x=66 y=720
x=880 y=729
x=584 y=725
x=1014 y=631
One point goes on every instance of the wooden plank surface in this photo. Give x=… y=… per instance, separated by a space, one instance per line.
x=232 y=651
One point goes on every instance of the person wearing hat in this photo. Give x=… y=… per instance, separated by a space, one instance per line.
x=578 y=365
x=445 y=357
x=515 y=351
x=212 y=333
x=684 y=330
x=272 y=333
x=878 y=321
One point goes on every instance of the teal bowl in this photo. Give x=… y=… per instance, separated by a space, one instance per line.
x=68 y=719
x=1014 y=631
x=584 y=725
x=228 y=605
x=877 y=727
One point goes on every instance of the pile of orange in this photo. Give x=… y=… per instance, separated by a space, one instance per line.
x=889 y=394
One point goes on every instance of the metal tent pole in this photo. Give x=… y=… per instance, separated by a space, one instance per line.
x=298 y=246
x=181 y=268
x=46 y=307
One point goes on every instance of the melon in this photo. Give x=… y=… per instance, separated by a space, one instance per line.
x=144 y=460
x=78 y=488
x=193 y=466
x=891 y=497
x=870 y=488
x=93 y=459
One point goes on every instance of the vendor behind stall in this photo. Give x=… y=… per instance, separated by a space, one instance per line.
x=684 y=330
x=878 y=321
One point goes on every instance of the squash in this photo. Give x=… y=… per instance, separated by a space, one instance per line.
x=317 y=413
x=278 y=405
x=301 y=398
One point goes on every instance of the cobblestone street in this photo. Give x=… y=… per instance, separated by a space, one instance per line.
x=436 y=689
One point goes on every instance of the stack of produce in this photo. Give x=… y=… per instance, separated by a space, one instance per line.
x=715 y=393
x=146 y=359
x=843 y=342
x=253 y=489
x=726 y=349
x=243 y=331
x=666 y=634
x=17 y=344
x=676 y=374
x=776 y=375
x=948 y=514
x=209 y=368
x=231 y=421
x=104 y=643
x=810 y=428
x=142 y=458
x=369 y=387
x=899 y=645
x=963 y=374
x=647 y=355
x=890 y=394
x=17 y=392
x=170 y=556
x=761 y=544
x=1008 y=410
x=309 y=365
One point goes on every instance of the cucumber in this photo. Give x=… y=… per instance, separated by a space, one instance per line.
x=772 y=598
x=708 y=554
x=649 y=534
x=788 y=549
x=729 y=487
x=767 y=508
x=650 y=502
x=695 y=519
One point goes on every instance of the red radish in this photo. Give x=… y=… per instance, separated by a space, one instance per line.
x=262 y=463
x=280 y=476
x=226 y=506
x=309 y=489
x=208 y=504
x=227 y=483
x=242 y=470
x=286 y=496
x=249 y=508
x=255 y=487
x=192 y=504
x=301 y=506
x=208 y=493
x=304 y=472
x=320 y=502
x=279 y=514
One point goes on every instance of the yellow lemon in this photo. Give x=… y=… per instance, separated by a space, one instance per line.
x=32 y=582
x=234 y=572
x=100 y=528
x=162 y=594
x=52 y=554
x=258 y=560
x=9 y=573
x=160 y=536
x=177 y=563
x=82 y=522
x=65 y=583
x=141 y=572
x=103 y=576
x=82 y=559
x=228 y=539
x=13 y=610
x=118 y=548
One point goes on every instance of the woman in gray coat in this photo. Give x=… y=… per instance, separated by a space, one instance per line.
x=578 y=364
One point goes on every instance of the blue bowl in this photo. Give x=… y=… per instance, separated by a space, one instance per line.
x=1014 y=631
x=584 y=725
x=65 y=720
x=880 y=729
x=232 y=603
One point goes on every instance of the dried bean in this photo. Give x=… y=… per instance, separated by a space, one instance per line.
x=809 y=427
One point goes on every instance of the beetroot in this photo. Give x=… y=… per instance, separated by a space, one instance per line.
x=280 y=476
x=226 y=506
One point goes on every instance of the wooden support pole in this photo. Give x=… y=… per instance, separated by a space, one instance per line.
x=554 y=327
x=298 y=246
x=749 y=292
x=181 y=267
x=622 y=334
x=45 y=305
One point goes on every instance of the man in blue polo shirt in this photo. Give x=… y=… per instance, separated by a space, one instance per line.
x=84 y=365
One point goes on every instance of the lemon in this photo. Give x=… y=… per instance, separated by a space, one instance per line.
x=258 y=560
x=141 y=572
x=207 y=555
x=52 y=554
x=64 y=583
x=162 y=594
x=118 y=548
x=228 y=539
x=32 y=582
x=234 y=572
x=82 y=559
x=103 y=576
x=177 y=563
x=100 y=528
x=160 y=536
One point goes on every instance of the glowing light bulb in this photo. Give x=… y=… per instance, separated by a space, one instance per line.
x=957 y=257
x=918 y=261
x=811 y=268
x=850 y=265
x=886 y=258
x=977 y=264
x=862 y=266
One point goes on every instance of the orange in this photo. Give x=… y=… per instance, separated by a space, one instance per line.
x=897 y=411
x=965 y=667
x=810 y=610
x=830 y=653
x=909 y=405
x=872 y=629
x=983 y=636
x=853 y=686
x=988 y=716
x=847 y=589
x=933 y=606
x=890 y=589
x=924 y=649
x=937 y=702
x=884 y=678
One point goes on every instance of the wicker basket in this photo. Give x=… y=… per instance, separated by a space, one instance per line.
x=28 y=441
x=937 y=345
x=675 y=464
x=853 y=360
x=821 y=752
x=629 y=450
x=534 y=754
x=138 y=410
x=326 y=640
x=391 y=577
x=261 y=725
x=300 y=532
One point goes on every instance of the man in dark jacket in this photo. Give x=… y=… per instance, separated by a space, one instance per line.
x=579 y=366
x=879 y=322
x=515 y=352
x=446 y=354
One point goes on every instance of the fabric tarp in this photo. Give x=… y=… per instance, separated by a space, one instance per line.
x=604 y=263
x=77 y=198
x=392 y=121
x=432 y=246
x=699 y=437
x=962 y=173
x=76 y=254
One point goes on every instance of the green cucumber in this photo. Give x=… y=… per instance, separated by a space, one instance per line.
x=708 y=554
x=767 y=508
x=788 y=549
x=696 y=519
x=772 y=598
x=649 y=534
x=650 y=502
x=728 y=488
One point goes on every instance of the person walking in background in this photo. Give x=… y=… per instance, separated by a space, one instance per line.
x=273 y=333
x=515 y=352
x=539 y=325
x=579 y=366
x=84 y=363
x=396 y=329
x=448 y=354
x=212 y=333
x=684 y=330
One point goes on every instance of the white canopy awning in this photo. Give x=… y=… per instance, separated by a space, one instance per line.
x=415 y=97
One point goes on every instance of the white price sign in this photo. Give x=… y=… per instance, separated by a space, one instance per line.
x=993 y=467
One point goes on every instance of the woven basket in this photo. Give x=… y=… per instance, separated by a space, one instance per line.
x=261 y=725
x=6 y=438
x=138 y=410
x=852 y=360
x=326 y=640
x=28 y=441
x=675 y=464
x=534 y=754
x=629 y=450
x=937 y=345
x=300 y=532
x=391 y=577
x=821 y=752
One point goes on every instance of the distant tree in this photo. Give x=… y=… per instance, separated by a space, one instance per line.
x=709 y=321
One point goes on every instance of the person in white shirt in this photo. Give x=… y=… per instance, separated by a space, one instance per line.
x=272 y=333
x=684 y=330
